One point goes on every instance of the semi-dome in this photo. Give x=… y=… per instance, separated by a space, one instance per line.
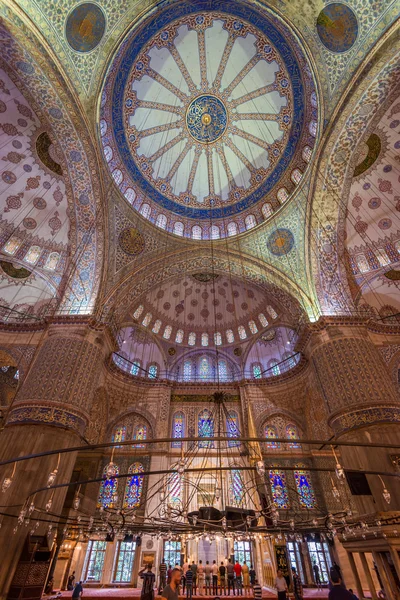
x=208 y=117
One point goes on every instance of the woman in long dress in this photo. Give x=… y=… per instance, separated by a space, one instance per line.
x=246 y=579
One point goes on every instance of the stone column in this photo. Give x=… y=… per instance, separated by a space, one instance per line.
x=361 y=400
x=368 y=576
x=51 y=411
x=355 y=575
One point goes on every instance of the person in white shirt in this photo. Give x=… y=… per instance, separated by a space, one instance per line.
x=281 y=585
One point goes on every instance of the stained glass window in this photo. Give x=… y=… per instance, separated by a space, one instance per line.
x=253 y=327
x=229 y=336
x=187 y=370
x=242 y=332
x=272 y=312
x=178 y=428
x=119 y=435
x=250 y=221
x=156 y=326
x=191 y=338
x=282 y=195
x=12 y=245
x=161 y=221
x=147 y=319
x=304 y=488
x=130 y=195
x=33 y=254
x=179 y=336
x=292 y=433
x=52 y=261
x=290 y=361
x=138 y=312
x=267 y=210
x=313 y=128
x=135 y=367
x=274 y=367
x=204 y=339
x=174 y=489
x=121 y=362
x=214 y=232
x=134 y=486
x=178 y=228
x=206 y=428
x=362 y=263
x=222 y=370
x=306 y=153
x=263 y=320
x=197 y=232
x=108 y=490
x=236 y=491
x=108 y=153
x=382 y=257
x=117 y=175
x=270 y=432
x=232 y=229
x=257 y=371
x=153 y=371
x=279 y=491
x=296 y=176
x=145 y=210
x=217 y=338
x=140 y=433
x=204 y=368
x=167 y=332
x=232 y=428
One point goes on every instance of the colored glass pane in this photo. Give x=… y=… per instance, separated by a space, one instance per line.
x=296 y=176
x=253 y=327
x=272 y=312
x=33 y=254
x=174 y=489
x=179 y=336
x=108 y=490
x=12 y=245
x=167 y=332
x=222 y=370
x=257 y=371
x=313 y=128
x=119 y=435
x=236 y=488
x=270 y=432
x=178 y=428
x=229 y=336
x=232 y=229
x=250 y=221
x=242 y=332
x=204 y=367
x=187 y=370
x=292 y=434
x=267 y=210
x=135 y=367
x=382 y=257
x=274 y=367
x=214 y=232
x=279 y=492
x=52 y=261
x=362 y=263
x=206 y=428
x=134 y=486
x=153 y=371
x=197 y=232
x=178 y=228
x=145 y=210
x=161 y=221
x=140 y=433
x=147 y=319
x=138 y=312
x=232 y=427
x=282 y=195
x=156 y=326
x=304 y=488
x=263 y=320
x=307 y=153
x=217 y=338
x=191 y=338
x=204 y=339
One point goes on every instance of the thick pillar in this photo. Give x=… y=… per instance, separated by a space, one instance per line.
x=361 y=400
x=355 y=575
x=51 y=411
x=368 y=576
x=382 y=573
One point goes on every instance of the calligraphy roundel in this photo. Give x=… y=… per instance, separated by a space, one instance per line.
x=85 y=27
x=337 y=27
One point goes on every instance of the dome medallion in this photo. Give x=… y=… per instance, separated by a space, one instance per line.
x=207 y=115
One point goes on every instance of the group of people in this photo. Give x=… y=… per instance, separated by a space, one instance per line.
x=337 y=589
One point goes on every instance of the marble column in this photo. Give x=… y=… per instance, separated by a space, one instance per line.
x=367 y=573
x=50 y=411
x=355 y=575
x=361 y=400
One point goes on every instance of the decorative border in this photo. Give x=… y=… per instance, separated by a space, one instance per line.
x=364 y=417
x=47 y=415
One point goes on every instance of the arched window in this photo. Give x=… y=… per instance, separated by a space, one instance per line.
x=230 y=338
x=33 y=254
x=108 y=490
x=289 y=361
x=272 y=312
x=204 y=368
x=306 y=154
x=279 y=491
x=382 y=256
x=282 y=195
x=134 y=486
x=232 y=428
x=174 y=489
x=197 y=232
x=140 y=433
x=156 y=326
x=292 y=433
x=214 y=232
x=204 y=339
x=253 y=327
x=217 y=338
x=145 y=210
x=108 y=153
x=191 y=338
x=161 y=221
x=138 y=311
x=178 y=428
x=232 y=229
x=296 y=176
x=147 y=319
x=362 y=263
x=178 y=228
x=263 y=320
x=117 y=175
x=257 y=371
x=12 y=245
x=267 y=210
x=167 y=332
x=222 y=370
x=135 y=368
x=250 y=221
x=304 y=488
x=119 y=435
x=187 y=370
x=153 y=371
x=274 y=367
x=179 y=336
x=236 y=491
x=242 y=332
x=122 y=363
x=271 y=433
x=206 y=428
x=313 y=128
x=52 y=261
x=130 y=195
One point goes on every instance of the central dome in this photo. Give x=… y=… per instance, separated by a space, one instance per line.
x=208 y=115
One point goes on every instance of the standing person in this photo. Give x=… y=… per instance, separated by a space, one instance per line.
x=231 y=577
x=316 y=575
x=222 y=582
x=353 y=594
x=148 y=583
x=297 y=585
x=281 y=585
x=238 y=580
x=257 y=590
x=338 y=592
x=200 y=577
x=169 y=573
x=207 y=573
x=189 y=583
x=193 y=568
x=78 y=590
x=246 y=579
x=252 y=574
x=163 y=576
x=214 y=571
x=171 y=591
x=71 y=581
x=184 y=571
